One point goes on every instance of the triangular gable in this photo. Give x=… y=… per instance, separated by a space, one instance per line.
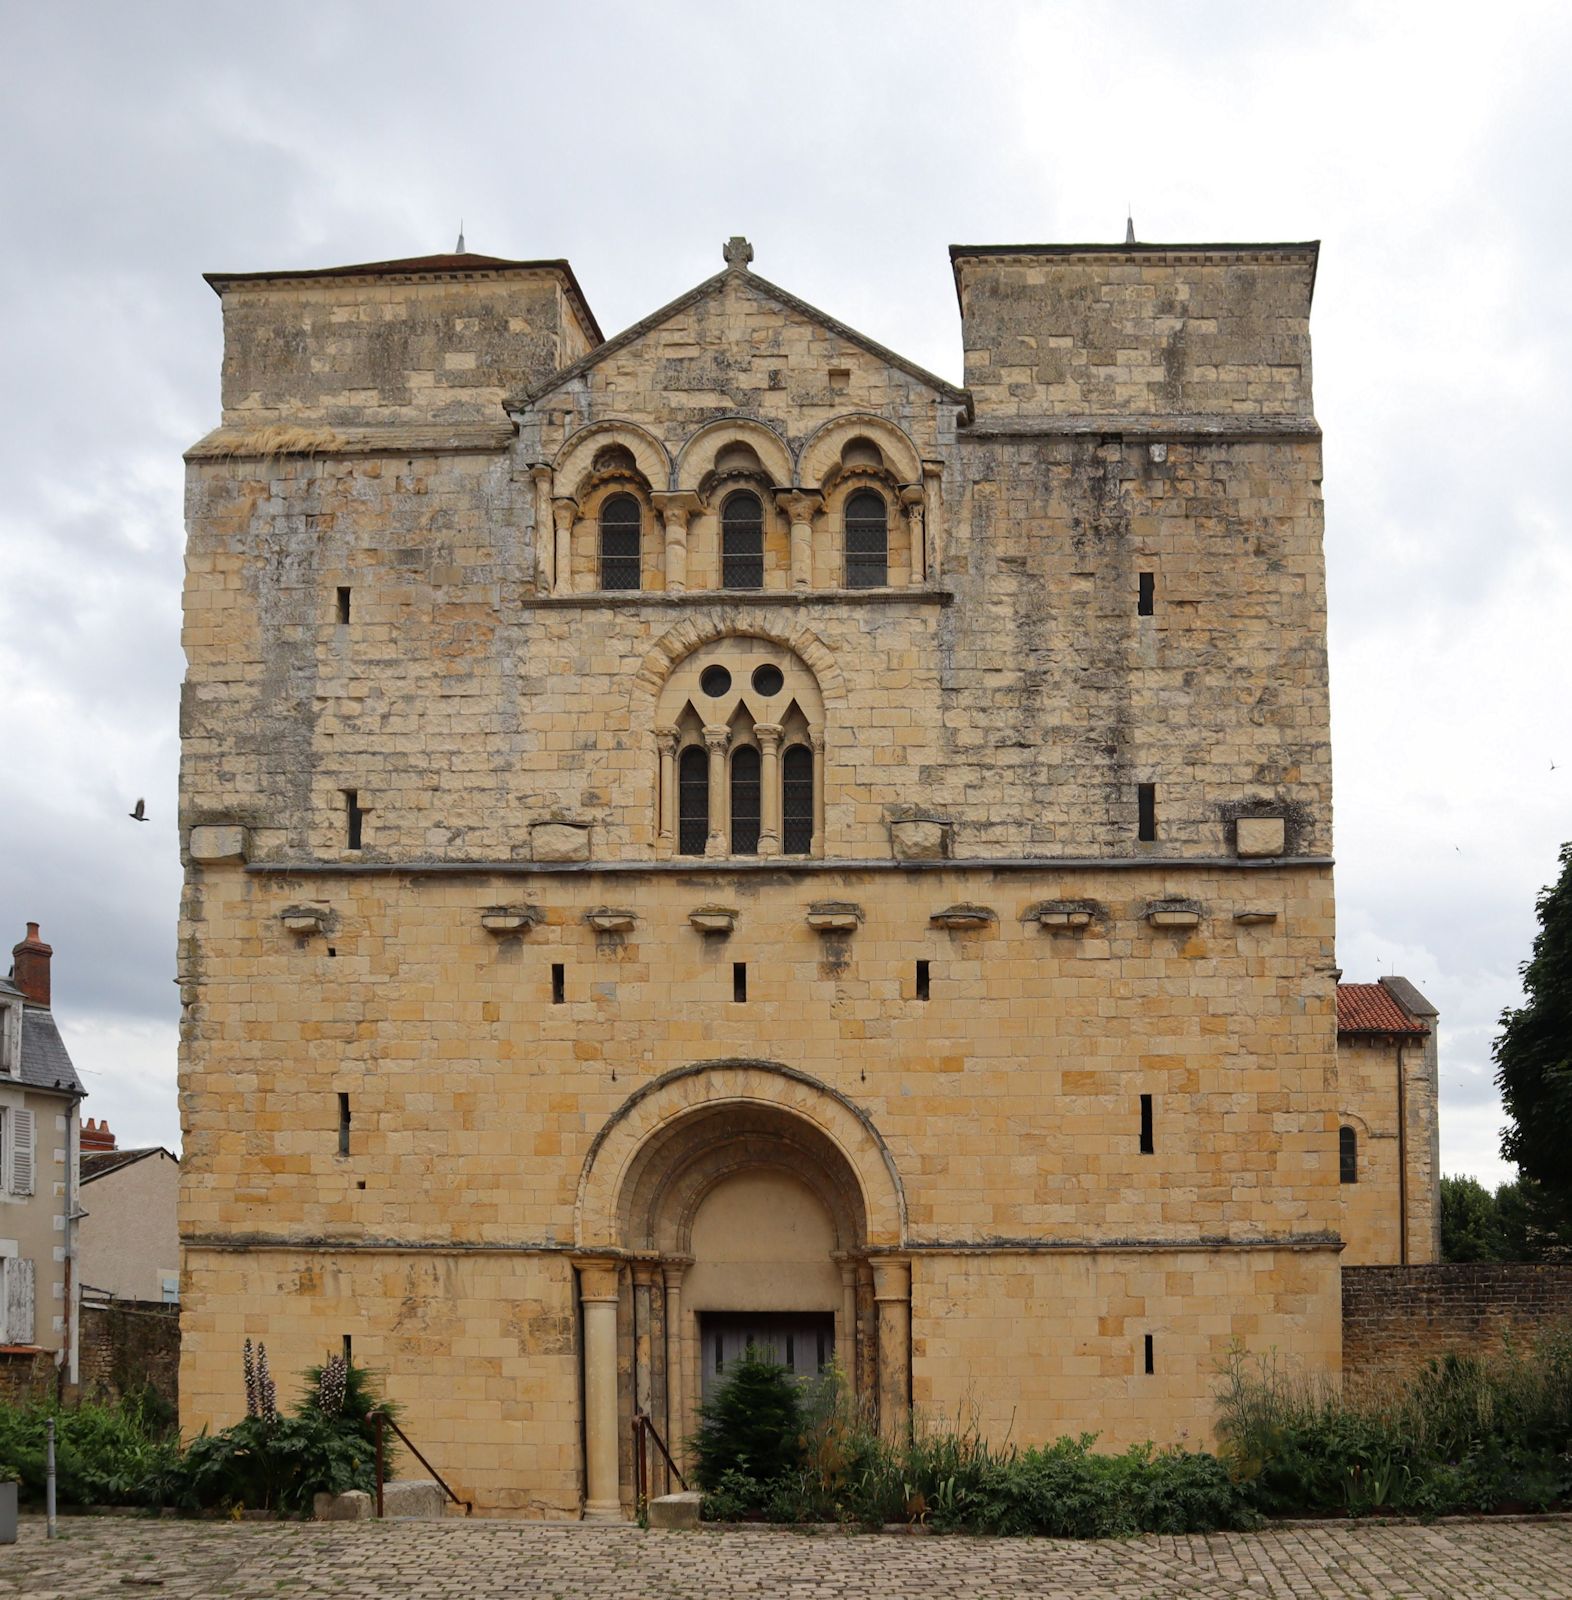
x=771 y=291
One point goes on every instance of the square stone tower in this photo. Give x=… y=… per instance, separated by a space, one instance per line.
x=718 y=833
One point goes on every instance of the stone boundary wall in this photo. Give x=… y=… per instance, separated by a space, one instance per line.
x=1396 y=1318
x=126 y=1343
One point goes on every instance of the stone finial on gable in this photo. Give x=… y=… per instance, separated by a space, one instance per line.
x=738 y=253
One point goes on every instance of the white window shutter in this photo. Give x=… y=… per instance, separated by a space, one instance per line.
x=18 y=1321
x=21 y=1151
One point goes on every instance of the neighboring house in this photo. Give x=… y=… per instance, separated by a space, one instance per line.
x=1389 y=1136
x=39 y=1096
x=129 y=1243
x=720 y=833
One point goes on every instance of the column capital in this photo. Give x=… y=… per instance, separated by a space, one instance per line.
x=912 y=495
x=540 y=471
x=892 y=1278
x=800 y=504
x=675 y=503
x=565 y=509
x=666 y=739
x=597 y=1278
x=717 y=736
x=769 y=734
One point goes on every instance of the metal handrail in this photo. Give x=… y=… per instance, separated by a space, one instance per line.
x=380 y=1420
x=643 y=1431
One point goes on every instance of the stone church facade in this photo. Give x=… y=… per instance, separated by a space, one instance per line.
x=720 y=833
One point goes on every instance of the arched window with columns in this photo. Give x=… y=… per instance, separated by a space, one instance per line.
x=621 y=541
x=867 y=535
x=742 y=541
x=738 y=724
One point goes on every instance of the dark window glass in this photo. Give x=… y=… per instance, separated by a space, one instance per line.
x=1146 y=811
x=745 y=801
x=867 y=541
x=693 y=800
x=742 y=542
x=797 y=800
x=715 y=681
x=1348 y=1155
x=768 y=680
x=620 y=521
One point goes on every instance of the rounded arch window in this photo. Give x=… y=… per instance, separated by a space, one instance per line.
x=867 y=525
x=746 y=775
x=693 y=800
x=621 y=525
x=742 y=541
x=797 y=800
x=1348 y=1154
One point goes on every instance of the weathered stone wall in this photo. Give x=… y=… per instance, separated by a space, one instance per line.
x=128 y=1344
x=346 y=351
x=1160 y=332
x=1397 y=1318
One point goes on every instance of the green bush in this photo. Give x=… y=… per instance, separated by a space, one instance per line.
x=954 y=1480
x=276 y=1464
x=104 y=1454
x=1464 y=1435
x=752 y=1427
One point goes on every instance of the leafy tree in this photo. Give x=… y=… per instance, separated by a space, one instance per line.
x=1533 y=1055
x=753 y=1425
x=1470 y=1221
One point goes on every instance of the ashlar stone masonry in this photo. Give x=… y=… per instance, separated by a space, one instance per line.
x=719 y=833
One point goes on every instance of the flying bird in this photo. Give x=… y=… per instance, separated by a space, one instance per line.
x=138 y=812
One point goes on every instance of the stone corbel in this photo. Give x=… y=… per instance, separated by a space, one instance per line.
x=1174 y=913
x=505 y=920
x=834 y=916
x=1064 y=916
x=714 y=919
x=675 y=507
x=305 y=920
x=799 y=507
x=610 y=919
x=963 y=917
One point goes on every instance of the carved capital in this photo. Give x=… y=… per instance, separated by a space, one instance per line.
x=564 y=511
x=675 y=505
x=799 y=505
x=717 y=738
x=768 y=734
x=666 y=740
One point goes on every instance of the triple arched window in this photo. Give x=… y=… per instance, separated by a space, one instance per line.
x=740 y=821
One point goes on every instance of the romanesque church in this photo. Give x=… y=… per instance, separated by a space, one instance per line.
x=718 y=833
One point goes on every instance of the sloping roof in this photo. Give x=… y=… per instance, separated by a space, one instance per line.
x=772 y=291
x=46 y=1064
x=100 y=1163
x=1369 y=1008
x=450 y=265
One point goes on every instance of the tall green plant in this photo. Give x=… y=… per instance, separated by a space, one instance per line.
x=752 y=1426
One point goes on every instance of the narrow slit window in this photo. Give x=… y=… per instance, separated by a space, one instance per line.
x=354 y=819
x=720 y=1358
x=1146 y=594
x=1147 y=1147
x=922 y=980
x=745 y=767
x=797 y=800
x=693 y=800
x=1146 y=811
x=739 y=980
x=343 y=1124
x=343 y=605
x=742 y=542
x=1347 y=1155
x=867 y=524
x=621 y=519
x=559 y=983
x=1151 y=1365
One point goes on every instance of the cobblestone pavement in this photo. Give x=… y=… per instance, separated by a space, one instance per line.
x=95 y=1558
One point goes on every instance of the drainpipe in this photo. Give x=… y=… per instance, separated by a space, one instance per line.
x=1402 y=1162
x=67 y=1372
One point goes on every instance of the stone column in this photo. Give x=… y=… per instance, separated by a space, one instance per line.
x=716 y=741
x=911 y=500
x=799 y=506
x=933 y=520
x=846 y=1350
x=545 y=537
x=769 y=736
x=598 y=1294
x=676 y=1419
x=892 y=1293
x=643 y=1348
x=675 y=507
x=564 y=512
x=816 y=744
x=666 y=741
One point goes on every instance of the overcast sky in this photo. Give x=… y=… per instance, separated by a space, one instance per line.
x=1425 y=145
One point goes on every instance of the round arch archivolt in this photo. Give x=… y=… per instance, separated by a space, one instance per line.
x=677 y=643
x=577 y=455
x=821 y=455
x=667 y=1144
x=697 y=456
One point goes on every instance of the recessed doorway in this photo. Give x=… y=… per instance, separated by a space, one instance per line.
x=802 y=1342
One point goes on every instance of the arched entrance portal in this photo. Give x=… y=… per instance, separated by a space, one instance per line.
x=725 y=1202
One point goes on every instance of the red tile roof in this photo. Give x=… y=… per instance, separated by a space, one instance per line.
x=1368 y=1008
